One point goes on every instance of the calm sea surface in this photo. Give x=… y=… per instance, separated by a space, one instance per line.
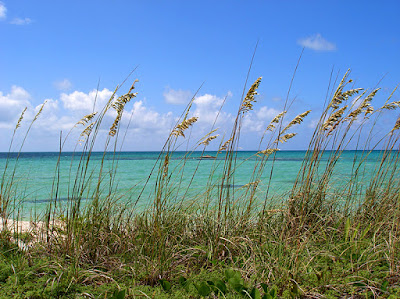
x=36 y=174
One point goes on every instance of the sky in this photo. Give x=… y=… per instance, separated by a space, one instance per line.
x=68 y=53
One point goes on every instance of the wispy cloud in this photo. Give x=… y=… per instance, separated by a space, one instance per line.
x=313 y=123
x=177 y=97
x=15 y=21
x=21 y=21
x=317 y=43
x=276 y=99
x=63 y=85
x=3 y=11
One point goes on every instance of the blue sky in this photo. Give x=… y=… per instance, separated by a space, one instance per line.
x=59 y=51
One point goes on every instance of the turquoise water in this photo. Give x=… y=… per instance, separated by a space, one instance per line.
x=36 y=174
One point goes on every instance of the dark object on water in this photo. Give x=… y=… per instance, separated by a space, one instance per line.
x=205 y=157
x=43 y=200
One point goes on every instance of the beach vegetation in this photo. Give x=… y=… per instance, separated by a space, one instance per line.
x=321 y=240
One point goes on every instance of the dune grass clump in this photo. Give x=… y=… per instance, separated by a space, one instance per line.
x=322 y=240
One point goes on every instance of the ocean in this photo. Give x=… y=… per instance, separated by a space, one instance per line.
x=37 y=178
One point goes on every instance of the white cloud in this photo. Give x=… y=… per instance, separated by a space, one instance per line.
x=3 y=11
x=148 y=128
x=147 y=119
x=207 y=107
x=63 y=85
x=208 y=100
x=142 y=119
x=80 y=101
x=20 y=21
x=252 y=124
x=258 y=120
x=12 y=104
x=15 y=21
x=51 y=120
x=317 y=43
x=177 y=97
x=265 y=113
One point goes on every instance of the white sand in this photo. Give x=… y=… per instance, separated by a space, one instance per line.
x=21 y=226
x=35 y=228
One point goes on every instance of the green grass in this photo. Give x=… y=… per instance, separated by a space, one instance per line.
x=319 y=242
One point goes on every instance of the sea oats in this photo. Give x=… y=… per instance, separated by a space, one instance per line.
x=333 y=118
x=86 y=119
x=353 y=114
x=225 y=145
x=392 y=106
x=268 y=151
x=40 y=111
x=119 y=103
x=369 y=97
x=119 y=106
x=275 y=120
x=20 y=118
x=133 y=85
x=178 y=131
x=345 y=78
x=340 y=97
x=165 y=166
x=332 y=128
x=86 y=132
x=349 y=93
x=208 y=139
x=362 y=107
x=248 y=101
x=110 y=100
x=297 y=120
x=369 y=110
x=337 y=98
x=365 y=105
x=396 y=125
x=285 y=137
